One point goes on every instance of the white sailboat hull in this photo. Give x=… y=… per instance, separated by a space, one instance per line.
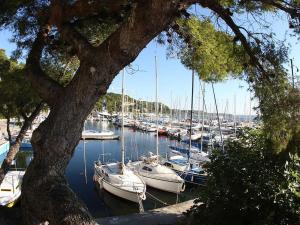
x=164 y=185
x=194 y=137
x=121 y=193
x=125 y=185
x=157 y=176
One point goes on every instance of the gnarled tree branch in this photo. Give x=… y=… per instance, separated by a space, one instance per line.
x=14 y=147
x=82 y=8
x=227 y=17
x=47 y=88
x=59 y=13
x=123 y=46
x=292 y=10
x=76 y=40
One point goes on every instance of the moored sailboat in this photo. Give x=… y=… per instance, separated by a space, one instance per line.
x=190 y=171
x=151 y=171
x=158 y=176
x=116 y=178
x=120 y=181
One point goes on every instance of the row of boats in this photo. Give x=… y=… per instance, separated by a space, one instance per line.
x=129 y=181
x=206 y=131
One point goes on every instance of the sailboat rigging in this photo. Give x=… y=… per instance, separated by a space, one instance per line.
x=150 y=170
x=117 y=178
x=189 y=168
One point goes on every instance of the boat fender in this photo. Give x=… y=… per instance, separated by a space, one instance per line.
x=182 y=187
x=143 y=196
x=99 y=180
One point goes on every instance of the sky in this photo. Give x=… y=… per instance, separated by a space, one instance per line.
x=175 y=81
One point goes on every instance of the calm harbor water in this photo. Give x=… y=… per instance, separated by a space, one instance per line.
x=100 y=203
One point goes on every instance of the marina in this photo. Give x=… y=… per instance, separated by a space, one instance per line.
x=156 y=112
x=161 y=158
x=137 y=143
x=164 y=159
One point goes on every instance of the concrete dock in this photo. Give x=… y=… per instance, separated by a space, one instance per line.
x=161 y=216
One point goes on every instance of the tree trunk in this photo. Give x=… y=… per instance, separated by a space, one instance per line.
x=46 y=196
x=14 y=148
x=8 y=129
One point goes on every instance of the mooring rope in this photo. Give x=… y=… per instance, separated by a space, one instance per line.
x=141 y=207
x=157 y=199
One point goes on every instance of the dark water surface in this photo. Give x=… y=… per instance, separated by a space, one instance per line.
x=101 y=203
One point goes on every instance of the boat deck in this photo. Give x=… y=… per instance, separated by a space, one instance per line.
x=113 y=169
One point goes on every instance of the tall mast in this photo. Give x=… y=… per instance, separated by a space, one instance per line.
x=203 y=102
x=234 y=118
x=245 y=109
x=171 y=111
x=199 y=102
x=212 y=85
x=146 y=103
x=156 y=106
x=250 y=109
x=191 y=121
x=122 y=130
x=185 y=103
x=84 y=159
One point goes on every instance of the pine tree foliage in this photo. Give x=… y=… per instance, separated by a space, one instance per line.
x=17 y=98
x=92 y=41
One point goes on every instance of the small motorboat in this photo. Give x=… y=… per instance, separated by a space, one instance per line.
x=103 y=135
x=10 y=189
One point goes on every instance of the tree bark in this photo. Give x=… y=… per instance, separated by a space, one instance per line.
x=54 y=141
x=8 y=129
x=46 y=197
x=44 y=184
x=14 y=147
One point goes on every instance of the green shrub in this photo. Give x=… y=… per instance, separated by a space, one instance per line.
x=248 y=184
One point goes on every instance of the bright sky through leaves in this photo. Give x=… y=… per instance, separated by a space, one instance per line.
x=175 y=79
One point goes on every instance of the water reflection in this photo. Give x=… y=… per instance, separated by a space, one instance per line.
x=100 y=202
